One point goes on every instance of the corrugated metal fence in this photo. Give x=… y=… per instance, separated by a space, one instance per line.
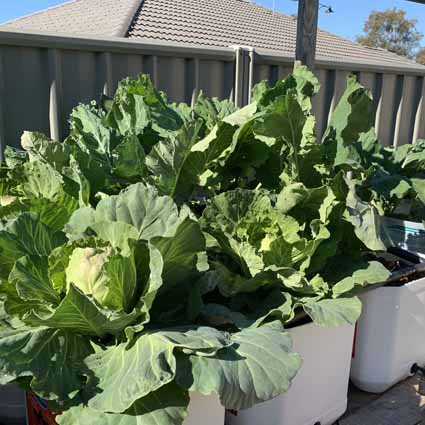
x=43 y=76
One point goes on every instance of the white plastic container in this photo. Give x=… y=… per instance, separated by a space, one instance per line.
x=390 y=336
x=12 y=405
x=204 y=410
x=319 y=392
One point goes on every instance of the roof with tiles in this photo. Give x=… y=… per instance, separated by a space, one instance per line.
x=82 y=17
x=220 y=23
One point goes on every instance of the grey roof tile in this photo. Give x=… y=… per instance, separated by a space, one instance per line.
x=220 y=23
x=239 y=22
x=83 y=17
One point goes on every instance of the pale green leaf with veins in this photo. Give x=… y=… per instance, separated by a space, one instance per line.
x=180 y=253
x=129 y=159
x=53 y=358
x=128 y=372
x=330 y=313
x=166 y=406
x=175 y=168
x=364 y=218
x=262 y=360
x=30 y=276
x=139 y=206
x=373 y=273
x=79 y=313
x=419 y=187
x=26 y=235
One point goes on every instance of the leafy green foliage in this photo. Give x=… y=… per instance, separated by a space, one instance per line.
x=394 y=182
x=162 y=249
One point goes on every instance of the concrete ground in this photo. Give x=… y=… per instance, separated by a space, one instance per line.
x=404 y=404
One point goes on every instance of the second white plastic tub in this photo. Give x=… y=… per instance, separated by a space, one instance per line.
x=319 y=392
x=390 y=336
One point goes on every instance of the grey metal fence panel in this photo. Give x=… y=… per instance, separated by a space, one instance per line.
x=44 y=76
x=398 y=93
x=25 y=94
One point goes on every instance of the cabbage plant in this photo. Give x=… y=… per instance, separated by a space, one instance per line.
x=88 y=322
x=286 y=245
x=390 y=179
x=394 y=179
x=163 y=249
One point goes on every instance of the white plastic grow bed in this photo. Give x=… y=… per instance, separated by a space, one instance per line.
x=390 y=336
x=318 y=394
x=204 y=410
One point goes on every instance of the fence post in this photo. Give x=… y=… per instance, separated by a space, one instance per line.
x=385 y=110
x=195 y=92
x=56 y=94
x=418 y=131
x=244 y=74
x=107 y=66
x=405 y=122
x=239 y=76
x=251 y=72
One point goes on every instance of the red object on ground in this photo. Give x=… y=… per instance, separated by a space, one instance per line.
x=38 y=411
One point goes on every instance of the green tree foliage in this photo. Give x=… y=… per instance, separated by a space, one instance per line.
x=420 y=56
x=392 y=30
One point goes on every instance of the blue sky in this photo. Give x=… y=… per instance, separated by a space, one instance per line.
x=347 y=21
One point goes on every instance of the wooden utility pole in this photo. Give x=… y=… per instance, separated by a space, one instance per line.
x=308 y=16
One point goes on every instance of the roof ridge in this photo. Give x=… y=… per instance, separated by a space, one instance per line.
x=129 y=18
x=132 y=19
x=56 y=6
x=127 y=11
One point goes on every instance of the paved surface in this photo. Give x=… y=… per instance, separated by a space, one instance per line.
x=401 y=405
